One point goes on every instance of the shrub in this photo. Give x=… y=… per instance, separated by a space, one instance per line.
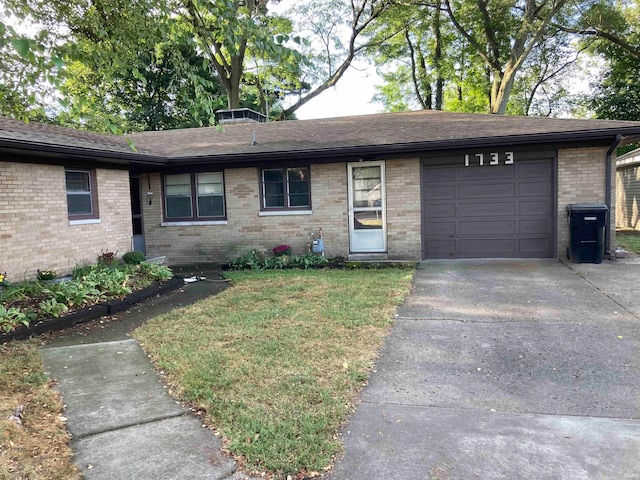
x=106 y=258
x=133 y=258
x=154 y=272
x=254 y=260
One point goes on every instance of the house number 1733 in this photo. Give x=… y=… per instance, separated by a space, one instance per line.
x=488 y=159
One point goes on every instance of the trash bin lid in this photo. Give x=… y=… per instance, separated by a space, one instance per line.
x=587 y=207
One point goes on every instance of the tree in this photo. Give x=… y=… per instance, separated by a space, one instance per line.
x=324 y=24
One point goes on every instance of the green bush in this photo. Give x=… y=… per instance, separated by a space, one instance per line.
x=254 y=260
x=133 y=258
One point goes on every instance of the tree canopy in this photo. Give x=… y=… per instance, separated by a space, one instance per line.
x=150 y=64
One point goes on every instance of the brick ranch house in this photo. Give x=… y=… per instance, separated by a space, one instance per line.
x=398 y=186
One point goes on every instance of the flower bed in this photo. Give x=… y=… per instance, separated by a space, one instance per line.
x=93 y=291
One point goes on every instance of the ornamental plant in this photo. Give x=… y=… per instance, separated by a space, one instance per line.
x=44 y=275
x=282 y=250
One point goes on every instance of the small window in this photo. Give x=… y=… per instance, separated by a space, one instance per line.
x=81 y=194
x=286 y=188
x=190 y=196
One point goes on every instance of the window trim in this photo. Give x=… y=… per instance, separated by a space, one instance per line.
x=287 y=208
x=193 y=195
x=78 y=218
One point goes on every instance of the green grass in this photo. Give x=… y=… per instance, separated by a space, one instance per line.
x=276 y=362
x=628 y=240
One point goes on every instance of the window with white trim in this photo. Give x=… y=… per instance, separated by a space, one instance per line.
x=82 y=198
x=194 y=196
x=286 y=189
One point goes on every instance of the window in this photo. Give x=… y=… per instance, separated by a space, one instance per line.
x=191 y=196
x=286 y=188
x=81 y=194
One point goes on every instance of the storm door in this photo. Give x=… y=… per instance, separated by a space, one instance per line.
x=367 y=212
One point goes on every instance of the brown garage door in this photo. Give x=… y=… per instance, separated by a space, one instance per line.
x=497 y=211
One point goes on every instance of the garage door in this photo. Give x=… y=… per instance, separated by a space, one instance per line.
x=490 y=211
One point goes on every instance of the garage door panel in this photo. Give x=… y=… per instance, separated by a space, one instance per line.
x=486 y=209
x=534 y=189
x=535 y=245
x=437 y=175
x=486 y=190
x=484 y=227
x=535 y=226
x=537 y=207
x=442 y=228
x=487 y=246
x=504 y=211
x=537 y=169
x=444 y=248
x=437 y=192
x=438 y=210
x=481 y=174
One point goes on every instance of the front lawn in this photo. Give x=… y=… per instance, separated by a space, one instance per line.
x=34 y=444
x=276 y=362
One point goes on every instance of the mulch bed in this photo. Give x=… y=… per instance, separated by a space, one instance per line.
x=92 y=312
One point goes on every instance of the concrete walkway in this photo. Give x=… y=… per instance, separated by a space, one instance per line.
x=502 y=369
x=124 y=424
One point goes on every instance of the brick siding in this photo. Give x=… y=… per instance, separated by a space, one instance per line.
x=581 y=179
x=34 y=227
x=245 y=229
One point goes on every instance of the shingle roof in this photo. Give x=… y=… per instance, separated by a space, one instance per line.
x=422 y=128
x=392 y=132
x=38 y=138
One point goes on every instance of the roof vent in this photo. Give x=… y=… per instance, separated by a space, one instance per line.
x=239 y=115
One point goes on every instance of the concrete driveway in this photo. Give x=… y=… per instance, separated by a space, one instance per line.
x=505 y=369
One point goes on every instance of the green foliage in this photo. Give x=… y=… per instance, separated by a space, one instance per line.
x=52 y=308
x=134 y=258
x=154 y=272
x=29 y=301
x=12 y=317
x=44 y=275
x=255 y=260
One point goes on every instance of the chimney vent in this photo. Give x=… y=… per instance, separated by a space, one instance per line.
x=239 y=115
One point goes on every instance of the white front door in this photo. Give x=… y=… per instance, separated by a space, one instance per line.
x=367 y=212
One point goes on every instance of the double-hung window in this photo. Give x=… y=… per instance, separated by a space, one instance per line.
x=286 y=189
x=194 y=196
x=82 y=199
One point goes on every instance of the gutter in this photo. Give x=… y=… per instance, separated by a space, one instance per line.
x=607 y=180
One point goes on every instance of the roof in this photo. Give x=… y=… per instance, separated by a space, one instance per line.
x=388 y=133
x=38 y=137
x=629 y=159
x=401 y=132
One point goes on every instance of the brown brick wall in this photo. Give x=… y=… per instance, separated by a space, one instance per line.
x=246 y=229
x=581 y=179
x=34 y=226
x=404 y=240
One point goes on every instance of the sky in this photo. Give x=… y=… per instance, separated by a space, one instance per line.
x=351 y=95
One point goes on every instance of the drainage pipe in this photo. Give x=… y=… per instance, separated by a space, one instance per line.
x=607 y=180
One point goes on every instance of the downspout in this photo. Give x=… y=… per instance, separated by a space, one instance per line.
x=607 y=177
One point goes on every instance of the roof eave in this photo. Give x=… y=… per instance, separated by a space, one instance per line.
x=64 y=151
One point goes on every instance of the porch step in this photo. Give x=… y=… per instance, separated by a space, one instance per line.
x=368 y=257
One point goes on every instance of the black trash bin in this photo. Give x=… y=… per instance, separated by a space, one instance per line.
x=587 y=225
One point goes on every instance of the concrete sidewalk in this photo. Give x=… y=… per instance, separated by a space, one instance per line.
x=511 y=369
x=124 y=424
